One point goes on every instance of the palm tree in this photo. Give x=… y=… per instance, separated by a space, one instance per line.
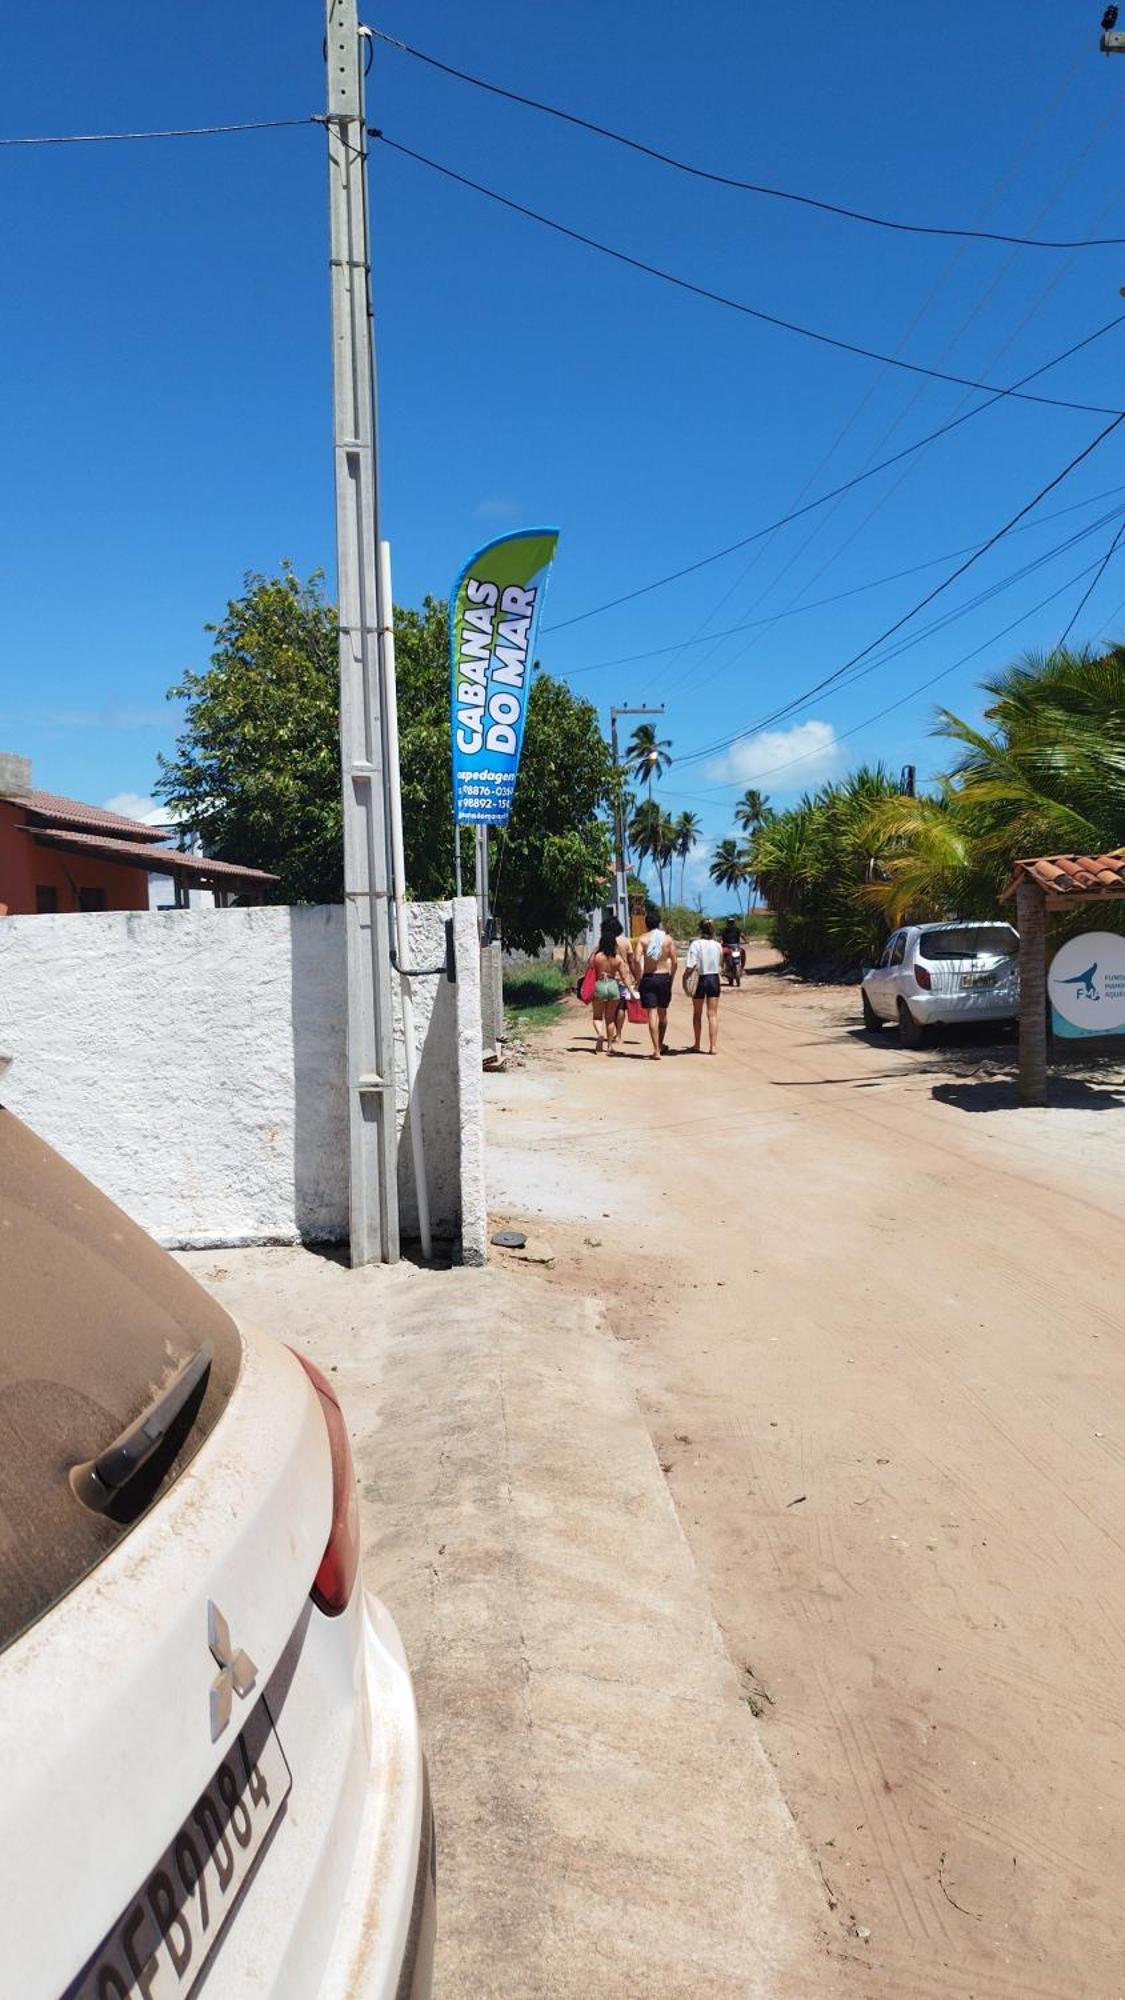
x=647 y=755
x=752 y=811
x=666 y=849
x=687 y=830
x=645 y=830
x=727 y=866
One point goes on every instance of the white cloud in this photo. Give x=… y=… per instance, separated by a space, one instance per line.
x=796 y=757
x=134 y=805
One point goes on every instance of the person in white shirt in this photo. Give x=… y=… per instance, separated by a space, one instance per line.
x=705 y=954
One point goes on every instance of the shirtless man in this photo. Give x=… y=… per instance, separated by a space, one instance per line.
x=656 y=956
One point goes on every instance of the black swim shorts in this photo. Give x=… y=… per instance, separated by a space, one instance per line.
x=656 y=989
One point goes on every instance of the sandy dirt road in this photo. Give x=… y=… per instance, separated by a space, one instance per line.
x=874 y=1315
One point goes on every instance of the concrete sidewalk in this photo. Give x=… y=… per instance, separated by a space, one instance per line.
x=607 y=1821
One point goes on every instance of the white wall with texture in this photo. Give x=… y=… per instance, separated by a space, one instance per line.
x=192 y=1063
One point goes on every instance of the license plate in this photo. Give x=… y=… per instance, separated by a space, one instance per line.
x=979 y=979
x=161 y=1942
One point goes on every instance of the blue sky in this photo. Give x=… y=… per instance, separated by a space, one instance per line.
x=165 y=354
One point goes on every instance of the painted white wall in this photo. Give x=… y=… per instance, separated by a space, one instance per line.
x=192 y=1064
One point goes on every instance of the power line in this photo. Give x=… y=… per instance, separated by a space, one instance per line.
x=902 y=700
x=170 y=132
x=838 y=596
x=721 y=299
x=869 y=472
x=779 y=714
x=749 y=187
x=1087 y=594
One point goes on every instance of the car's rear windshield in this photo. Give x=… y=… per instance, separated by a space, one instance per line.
x=969 y=941
x=95 y=1322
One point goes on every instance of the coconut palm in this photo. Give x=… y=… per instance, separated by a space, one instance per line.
x=647 y=754
x=1044 y=774
x=687 y=831
x=727 y=866
x=752 y=810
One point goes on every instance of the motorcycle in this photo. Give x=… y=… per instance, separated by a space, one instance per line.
x=732 y=964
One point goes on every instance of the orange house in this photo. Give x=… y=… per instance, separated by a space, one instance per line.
x=57 y=854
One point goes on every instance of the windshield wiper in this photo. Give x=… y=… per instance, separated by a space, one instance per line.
x=114 y=1483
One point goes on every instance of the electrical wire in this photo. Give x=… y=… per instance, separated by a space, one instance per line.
x=838 y=596
x=749 y=187
x=721 y=299
x=171 y=132
x=1086 y=596
x=753 y=777
x=818 y=687
x=731 y=548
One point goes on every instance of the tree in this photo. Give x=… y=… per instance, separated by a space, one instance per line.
x=257 y=766
x=647 y=755
x=752 y=810
x=687 y=830
x=727 y=867
x=647 y=832
x=816 y=864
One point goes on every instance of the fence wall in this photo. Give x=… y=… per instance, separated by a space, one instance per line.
x=192 y=1063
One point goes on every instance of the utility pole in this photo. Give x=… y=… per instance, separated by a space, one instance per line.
x=372 y=1124
x=620 y=869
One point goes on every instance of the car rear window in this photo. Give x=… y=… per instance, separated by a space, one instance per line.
x=95 y=1321
x=969 y=941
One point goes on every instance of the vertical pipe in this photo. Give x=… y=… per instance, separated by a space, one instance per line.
x=1031 y=915
x=402 y=915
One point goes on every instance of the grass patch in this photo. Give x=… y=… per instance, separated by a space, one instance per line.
x=533 y=996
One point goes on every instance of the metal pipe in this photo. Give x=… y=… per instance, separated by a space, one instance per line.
x=398 y=879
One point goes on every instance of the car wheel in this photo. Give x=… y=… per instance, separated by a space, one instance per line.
x=871 y=1020
x=911 y=1033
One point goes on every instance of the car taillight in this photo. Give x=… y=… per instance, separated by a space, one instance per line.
x=922 y=976
x=333 y=1582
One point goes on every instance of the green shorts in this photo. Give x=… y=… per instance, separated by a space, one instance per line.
x=607 y=989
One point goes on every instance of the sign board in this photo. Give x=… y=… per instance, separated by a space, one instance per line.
x=493 y=615
x=1086 y=985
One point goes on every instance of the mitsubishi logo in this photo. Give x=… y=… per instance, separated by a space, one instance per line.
x=237 y=1672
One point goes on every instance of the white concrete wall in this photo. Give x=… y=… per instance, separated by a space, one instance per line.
x=192 y=1063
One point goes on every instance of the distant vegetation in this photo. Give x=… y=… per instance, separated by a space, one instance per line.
x=1044 y=775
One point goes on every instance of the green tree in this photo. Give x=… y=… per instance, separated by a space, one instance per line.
x=728 y=868
x=653 y=838
x=752 y=810
x=647 y=755
x=257 y=766
x=816 y=864
x=687 y=831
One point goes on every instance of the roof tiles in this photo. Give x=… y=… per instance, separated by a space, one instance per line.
x=1077 y=875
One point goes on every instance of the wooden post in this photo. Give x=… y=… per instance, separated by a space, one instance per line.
x=1031 y=916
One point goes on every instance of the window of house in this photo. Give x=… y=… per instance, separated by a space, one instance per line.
x=46 y=899
x=91 y=899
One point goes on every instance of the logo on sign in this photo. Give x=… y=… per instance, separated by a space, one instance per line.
x=1086 y=985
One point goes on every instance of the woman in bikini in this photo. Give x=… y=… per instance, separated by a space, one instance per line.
x=611 y=972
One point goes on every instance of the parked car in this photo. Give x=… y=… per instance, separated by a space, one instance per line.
x=207 y=1729
x=932 y=973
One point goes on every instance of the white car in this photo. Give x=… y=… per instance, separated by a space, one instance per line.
x=210 y=1751
x=931 y=973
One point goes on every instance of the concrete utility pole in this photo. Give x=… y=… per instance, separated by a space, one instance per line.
x=620 y=868
x=373 y=1142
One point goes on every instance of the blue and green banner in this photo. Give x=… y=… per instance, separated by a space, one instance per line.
x=493 y=618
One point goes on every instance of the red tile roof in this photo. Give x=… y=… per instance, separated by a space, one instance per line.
x=157 y=860
x=93 y=819
x=1073 y=875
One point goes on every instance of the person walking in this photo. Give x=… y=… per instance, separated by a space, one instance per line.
x=611 y=972
x=706 y=957
x=625 y=953
x=656 y=959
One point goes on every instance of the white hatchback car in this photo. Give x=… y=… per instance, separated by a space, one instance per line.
x=931 y=973
x=208 y=1735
